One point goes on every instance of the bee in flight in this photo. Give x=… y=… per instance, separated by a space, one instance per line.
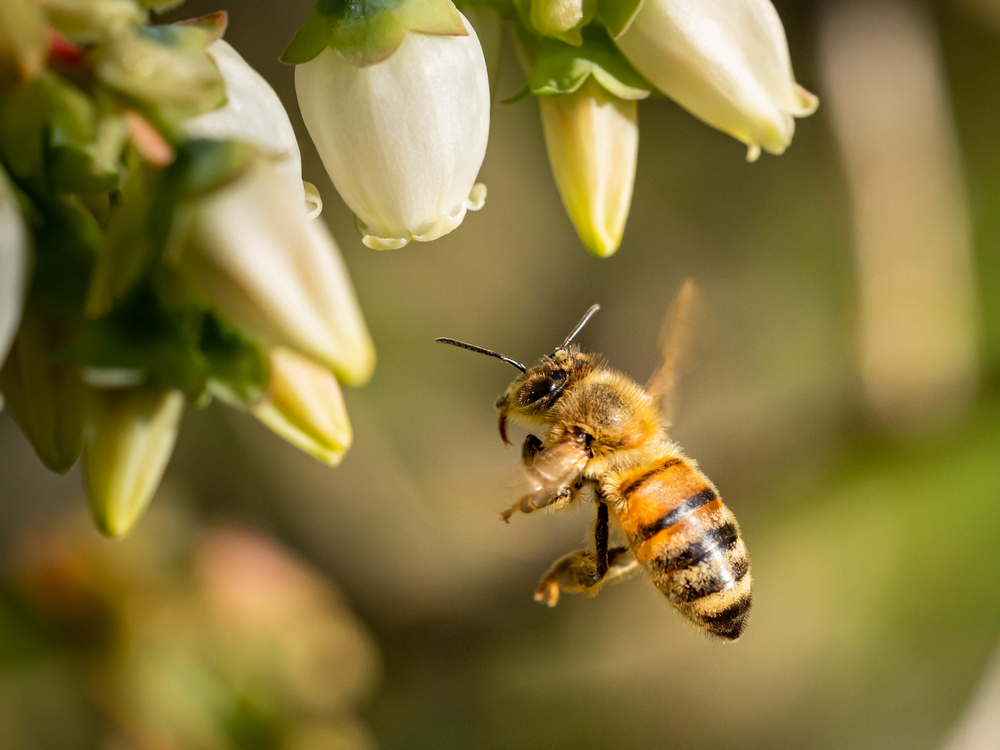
x=605 y=440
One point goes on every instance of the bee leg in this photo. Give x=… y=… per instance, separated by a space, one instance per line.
x=536 y=501
x=577 y=573
x=601 y=534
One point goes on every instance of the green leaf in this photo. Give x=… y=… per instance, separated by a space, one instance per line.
x=617 y=15
x=311 y=39
x=562 y=68
x=238 y=367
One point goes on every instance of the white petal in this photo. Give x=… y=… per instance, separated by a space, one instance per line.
x=13 y=267
x=402 y=140
x=253 y=112
x=725 y=61
x=275 y=273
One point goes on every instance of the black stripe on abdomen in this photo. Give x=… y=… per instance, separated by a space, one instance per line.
x=722 y=538
x=730 y=622
x=675 y=515
x=633 y=484
x=722 y=578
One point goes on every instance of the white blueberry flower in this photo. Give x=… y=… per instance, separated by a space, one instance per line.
x=402 y=139
x=725 y=61
x=276 y=274
x=253 y=112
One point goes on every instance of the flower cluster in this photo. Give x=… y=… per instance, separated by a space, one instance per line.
x=158 y=249
x=213 y=638
x=395 y=94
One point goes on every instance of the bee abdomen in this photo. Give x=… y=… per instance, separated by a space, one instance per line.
x=690 y=543
x=708 y=579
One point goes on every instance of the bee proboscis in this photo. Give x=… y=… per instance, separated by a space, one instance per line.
x=605 y=439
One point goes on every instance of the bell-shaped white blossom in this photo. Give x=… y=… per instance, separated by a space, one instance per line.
x=726 y=62
x=128 y=439
x=276 y=274
x=592 y=138
x=253 y=112
x=403 y=139
x=13 y=266
x=304 y=405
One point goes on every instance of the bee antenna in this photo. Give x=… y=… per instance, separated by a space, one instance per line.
x=579 y=326
x=481 y=350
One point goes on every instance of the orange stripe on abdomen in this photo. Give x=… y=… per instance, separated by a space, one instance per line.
x=689 y=542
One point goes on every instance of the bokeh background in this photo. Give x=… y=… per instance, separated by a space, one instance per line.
x=843 y=396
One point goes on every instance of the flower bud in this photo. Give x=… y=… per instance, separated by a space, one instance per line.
x=13 y=266
x=403 y=139
x=130 y=434
x=593 y=142
x=274 y=273
x=253 y=112
x=726 y=63
x=44 y=395
x=561 y=19
x=173 y=74
x=304 y=406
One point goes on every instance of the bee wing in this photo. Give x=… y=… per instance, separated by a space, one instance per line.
x=558 y=465
x=676 y=342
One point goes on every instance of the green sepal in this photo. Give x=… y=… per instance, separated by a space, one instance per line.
x=185 y=347
x=312 y=38
x=213 y=24
x=365 y=32
x=238 y=367
x=76 y=167
x=561 y=68
x=617 y=15
x=367 y=39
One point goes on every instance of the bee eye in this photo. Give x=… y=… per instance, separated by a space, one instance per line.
x=540 y=389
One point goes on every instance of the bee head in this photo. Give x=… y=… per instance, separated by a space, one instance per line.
x=537 y=389
x=530 y=397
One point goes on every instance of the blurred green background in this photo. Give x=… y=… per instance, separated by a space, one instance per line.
x=844 y=398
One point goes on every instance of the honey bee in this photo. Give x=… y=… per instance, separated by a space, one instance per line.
x=605 y=440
